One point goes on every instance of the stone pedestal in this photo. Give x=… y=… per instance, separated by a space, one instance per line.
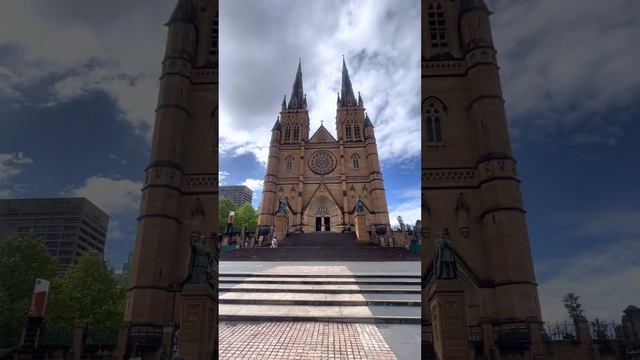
x=198 y=337
x=281 y=226
x=361 y=228
x=449 y=326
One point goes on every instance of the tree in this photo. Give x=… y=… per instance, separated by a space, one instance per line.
x=88 y=292
x=225 y=205
x=572 y=305
x=23 y=259
x=247 y=216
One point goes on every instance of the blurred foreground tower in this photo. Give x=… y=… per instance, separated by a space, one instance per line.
x=179 y=198
x=485 y=304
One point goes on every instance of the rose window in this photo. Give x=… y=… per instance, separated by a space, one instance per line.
x=322 y=162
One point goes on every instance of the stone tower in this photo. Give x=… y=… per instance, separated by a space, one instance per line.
x=179 y=197
x=313 y=183
x=471 y=193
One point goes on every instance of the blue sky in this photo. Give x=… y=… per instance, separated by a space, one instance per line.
x=78 y=87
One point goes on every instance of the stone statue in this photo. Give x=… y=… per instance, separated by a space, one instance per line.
x=201 y=261
x=282 y=206
x=445 y=258
x=360 y=206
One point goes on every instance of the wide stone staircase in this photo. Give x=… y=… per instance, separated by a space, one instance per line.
x=301 y=294
x=321 y=246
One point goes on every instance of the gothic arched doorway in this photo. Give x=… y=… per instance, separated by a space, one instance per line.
x=322 y=215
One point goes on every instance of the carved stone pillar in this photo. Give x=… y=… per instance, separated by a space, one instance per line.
x=449 y=326
x=281 y=226
x=198 y=324
x=360 y=221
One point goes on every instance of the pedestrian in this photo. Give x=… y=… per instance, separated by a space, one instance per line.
x=274 y=242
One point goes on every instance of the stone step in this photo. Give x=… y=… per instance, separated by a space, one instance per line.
x=353 y=314
x=318 y=275
x=320 y=281
x=320 y=254
x=319 y=299
x=314 y=288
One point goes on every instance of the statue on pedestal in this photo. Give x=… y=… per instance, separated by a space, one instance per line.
x=282 y=206
x=445 y=258
x=200 y=262
x=360 y=206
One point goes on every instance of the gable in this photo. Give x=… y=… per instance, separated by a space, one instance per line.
x=322 y=135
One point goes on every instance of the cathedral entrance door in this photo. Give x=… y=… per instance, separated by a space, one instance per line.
x=323 y=223
x=318 y=223
x=327 y=223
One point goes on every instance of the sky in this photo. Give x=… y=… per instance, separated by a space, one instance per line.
x=79 y=84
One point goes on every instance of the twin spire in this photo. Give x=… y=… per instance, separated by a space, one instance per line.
x=298 y=98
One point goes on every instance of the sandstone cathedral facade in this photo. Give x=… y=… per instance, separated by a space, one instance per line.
x=317 y=183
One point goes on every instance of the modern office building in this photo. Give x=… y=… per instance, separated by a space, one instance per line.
x=240 y=194
x=68 y=227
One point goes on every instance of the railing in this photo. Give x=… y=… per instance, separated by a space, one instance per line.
x=562 y=331
x=102 y=337
x=58 y=336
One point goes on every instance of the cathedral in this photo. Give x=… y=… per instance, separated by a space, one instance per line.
x=317 y=183
x=480 y=298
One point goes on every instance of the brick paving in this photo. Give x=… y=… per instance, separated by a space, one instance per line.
x=302 y=341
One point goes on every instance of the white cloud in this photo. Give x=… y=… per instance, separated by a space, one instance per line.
x=408 y=205
x=568 y=66
x=381 y=43
x=111 y=195
x=222 y=175
x=254 y=184
x=605 y=278
x=114 y=47
x=11 y=165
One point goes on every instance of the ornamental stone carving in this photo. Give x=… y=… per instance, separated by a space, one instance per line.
x=322 y=162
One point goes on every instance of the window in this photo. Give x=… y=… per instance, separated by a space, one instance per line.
x=356 y=161
x=347 y=131
x=287 y=133
x=435 y=115
x=289 y=162
x=356 y=131
x=296 y=132
x=437 y=26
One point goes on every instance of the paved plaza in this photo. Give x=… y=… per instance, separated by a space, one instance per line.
x=302 y=340
x=319 y=310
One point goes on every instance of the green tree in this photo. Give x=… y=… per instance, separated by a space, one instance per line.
x=247 y=216
x=23 y=259
x=90 y=292
x=225 y=205
x=572 y=305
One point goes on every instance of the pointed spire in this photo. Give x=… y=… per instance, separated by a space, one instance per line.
x=297 y=93
x=339 y=101
x=359 y=99
x=284 y=103
x=185 y=11
x=367 y=121
x=304 y=102
x=348 y=99
x=276 y=126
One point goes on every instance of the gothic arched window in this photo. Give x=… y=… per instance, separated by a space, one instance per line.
x=435 y=116
x=437 y=25
x=356 y=161
x=289 y=162
x=347 y=131
x=356 y=131
x=287 y=133
x=296 y=132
